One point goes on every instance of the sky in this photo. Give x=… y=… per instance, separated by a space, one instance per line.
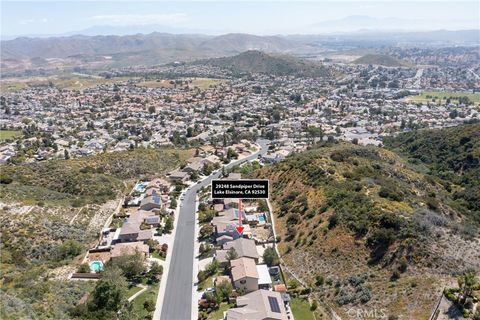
x=218 y=17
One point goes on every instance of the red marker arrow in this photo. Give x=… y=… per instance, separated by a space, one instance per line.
x=239 y=227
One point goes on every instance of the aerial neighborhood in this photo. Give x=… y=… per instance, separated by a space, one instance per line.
x=369 y=151
x=242 y=268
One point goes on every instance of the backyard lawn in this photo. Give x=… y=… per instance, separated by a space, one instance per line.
x=301 y=309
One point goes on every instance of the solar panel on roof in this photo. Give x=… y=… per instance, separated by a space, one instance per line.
x=274 y=304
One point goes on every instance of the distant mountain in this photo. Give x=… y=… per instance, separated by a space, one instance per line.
x=106 y=30
x=359 y=22
x=240 y=42
x=254 y=61
x=154 y=48
x=364 y=23
x=380 y=59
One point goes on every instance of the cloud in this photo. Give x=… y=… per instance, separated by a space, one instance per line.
x=30 y=21
x=139 y=19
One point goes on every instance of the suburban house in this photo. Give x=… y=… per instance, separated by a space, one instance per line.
x=131 y=232
x=152 y=202
x=127 y=249
x=258 y=305
x=243 y=247
x=226 y=222
x=244 y=274
x=179 y=176
x=160 y=184
x=193 y=167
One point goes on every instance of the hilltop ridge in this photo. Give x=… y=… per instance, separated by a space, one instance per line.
x=254 y=61
x=370 y=225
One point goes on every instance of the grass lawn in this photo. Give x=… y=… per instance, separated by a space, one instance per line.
x=155 y=255
x=218 y=314
x=430 y=95
x=9 y=134
x=149 y=294
x=132 y=290
x=301 y=309
x=208 y=283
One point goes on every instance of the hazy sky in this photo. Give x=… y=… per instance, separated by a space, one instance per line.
x=259 y=17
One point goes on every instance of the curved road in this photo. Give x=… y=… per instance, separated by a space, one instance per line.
x=177 y=300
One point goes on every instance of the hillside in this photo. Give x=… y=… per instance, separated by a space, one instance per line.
x=254 y=61
x=94 y=179
x=380 y=59
x=366 y=229
x=150 y=49
x=455 y=159
x=50 y=213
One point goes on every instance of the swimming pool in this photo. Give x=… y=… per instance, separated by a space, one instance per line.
x=96 y=266
x=141 y=186
x=262 y=218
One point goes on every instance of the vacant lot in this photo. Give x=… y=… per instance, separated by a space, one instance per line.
x=9 y=134
x=63 y=81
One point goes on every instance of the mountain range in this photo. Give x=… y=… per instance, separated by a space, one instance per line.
x=159 y=48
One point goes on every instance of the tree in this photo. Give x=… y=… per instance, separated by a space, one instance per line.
x=224 y=289
x=194 y=176
x=156 y=270
x=270 y=257
x=152 y=244
x=319 y=280
x=149 y=305
x=84 y=268
x=69 y=249
x=231 y=254
x=168 y=224
x=132 y=266
x=66 y=155
x=206 y=231
x=173 y=203
x=231 y=154
x=212 y=268
x=201 y=276
x=151 y=109
x=110 y=291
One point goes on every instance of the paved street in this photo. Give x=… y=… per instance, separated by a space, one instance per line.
x=177 y=302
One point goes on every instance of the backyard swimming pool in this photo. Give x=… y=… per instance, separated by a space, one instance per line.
x=96 y=266
x=141 y=186
x=262 y=218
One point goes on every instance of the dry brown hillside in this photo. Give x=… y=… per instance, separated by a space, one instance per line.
x=367 y=230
